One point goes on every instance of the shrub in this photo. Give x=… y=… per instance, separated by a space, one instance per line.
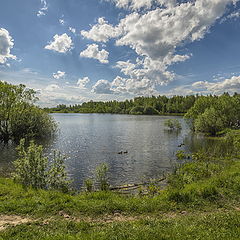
x=181 y=155
x=173 y=124
x=153 y=188
x=101 y=177
x=88 y=183
x=56 y=173
x=32 y=169
x=232 y=140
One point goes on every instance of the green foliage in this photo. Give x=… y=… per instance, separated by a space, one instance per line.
x=213 y=114
x=232 y=140
x=208 y=176
x=101 y=177
x=211 y=121
x=181 y=155
x=32 y=169
x=173 y=124
x=56 y=173
x=31 y=166
x=138 y=106
x=148 y=110
x=153 y=188
x=88 y=183
x=138 y=110
x=19 y=118
x=194 y=171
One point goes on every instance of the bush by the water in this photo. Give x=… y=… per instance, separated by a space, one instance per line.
x=213 y=114
x=101 y=177
x=33 y=169
x=19 y=117
x=173 y=124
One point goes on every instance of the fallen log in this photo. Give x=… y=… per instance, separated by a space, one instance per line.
x=135 y=185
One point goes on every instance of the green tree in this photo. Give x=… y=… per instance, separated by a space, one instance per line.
x=211 y=114
x=137 y=110
x=150 y=111
x=19 y=117
x=211 y=121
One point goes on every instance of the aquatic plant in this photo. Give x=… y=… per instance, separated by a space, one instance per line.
x=88 y=183
x=101 y=176
x=173 y=124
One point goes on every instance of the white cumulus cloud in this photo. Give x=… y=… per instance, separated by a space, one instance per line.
x=227 y=85
x=138 y=4
x=133 y=86
x=102 y=87
x=58 y=75
x=155 y=34
x=61 y=43
x=101 y=32
x=93 y=51
x=82 y=82
x=6 y=44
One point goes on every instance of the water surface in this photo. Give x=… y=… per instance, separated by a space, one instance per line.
x=88 y=140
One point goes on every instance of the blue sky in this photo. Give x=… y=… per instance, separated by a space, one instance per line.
x=72 y=51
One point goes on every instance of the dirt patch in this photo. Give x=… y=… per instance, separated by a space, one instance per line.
x=12 y=220
x=116 y=217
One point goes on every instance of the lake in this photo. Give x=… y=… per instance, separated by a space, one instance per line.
x=88 y=140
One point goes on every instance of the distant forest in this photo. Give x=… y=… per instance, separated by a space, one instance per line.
x=178 y=105
x=139 y=105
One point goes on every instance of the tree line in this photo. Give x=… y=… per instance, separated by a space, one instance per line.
x=139 y=105
x=208 y=114
x=21 y=118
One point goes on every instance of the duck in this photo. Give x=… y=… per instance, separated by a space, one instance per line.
x=180 y=145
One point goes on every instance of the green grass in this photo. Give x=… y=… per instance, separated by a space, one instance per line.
x=208 y=226
x=212 y=186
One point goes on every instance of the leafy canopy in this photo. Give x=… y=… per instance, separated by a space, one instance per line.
x=19 y=117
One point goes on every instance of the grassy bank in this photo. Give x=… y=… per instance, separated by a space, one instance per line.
x=200 y=202
x=221 y=189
